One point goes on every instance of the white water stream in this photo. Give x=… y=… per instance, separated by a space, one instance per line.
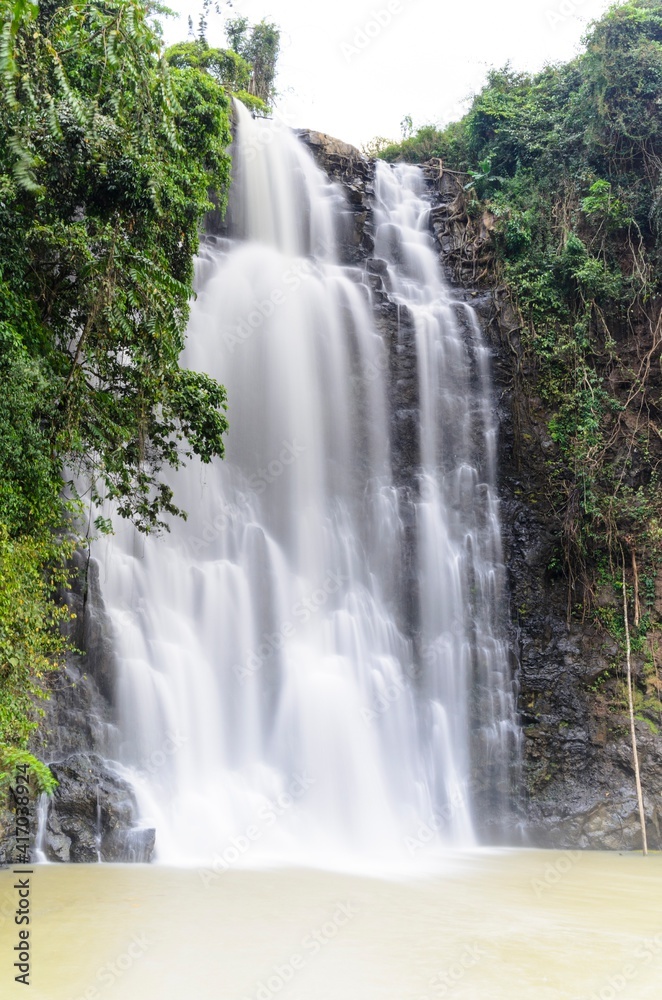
x=283 y=691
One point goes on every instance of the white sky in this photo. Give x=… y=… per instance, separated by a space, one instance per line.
x=426 y=62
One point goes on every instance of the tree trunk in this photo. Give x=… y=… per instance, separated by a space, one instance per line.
x=635 y=754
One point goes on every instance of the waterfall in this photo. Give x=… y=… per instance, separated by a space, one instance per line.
x=286 y=689
x=465 y=678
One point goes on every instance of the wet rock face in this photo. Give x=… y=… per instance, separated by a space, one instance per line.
x=93 y=815
x=578 y=786
x=347 y=166
x=578 y=779
x=80 y=712
x=12 y=846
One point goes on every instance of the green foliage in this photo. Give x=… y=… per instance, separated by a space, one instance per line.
x=13 y=760
x=623 y=70
x=258 y=45
x=223 y=65
x=568 y=162
x=107 y=166
x=653 y=726
x=482 y=180
x=256 y=105
x=407 y=127
x=600 y=205
x=427 y=142
x=29 y=478
x=108 y=154
x=31 y=567
x=375 y=148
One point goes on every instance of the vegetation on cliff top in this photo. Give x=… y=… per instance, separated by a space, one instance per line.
x=568 y=163
x=108 y=150
x=247 y=69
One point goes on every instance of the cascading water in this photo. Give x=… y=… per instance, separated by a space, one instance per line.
x=466 y=684
x=275 y=699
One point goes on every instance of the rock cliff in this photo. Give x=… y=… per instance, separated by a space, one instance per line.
x=577 y=787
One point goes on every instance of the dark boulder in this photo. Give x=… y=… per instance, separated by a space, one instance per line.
x=93 y=815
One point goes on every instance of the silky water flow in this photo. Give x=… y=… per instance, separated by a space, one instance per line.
x=313 y=666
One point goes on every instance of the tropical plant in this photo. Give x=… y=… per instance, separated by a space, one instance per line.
x=107 y=157
x=259 y=45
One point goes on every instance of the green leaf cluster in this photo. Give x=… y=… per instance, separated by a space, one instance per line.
x=31 y=644
x=568 y=161
x=259 y=46
x=109 y=158
x=109 y=152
